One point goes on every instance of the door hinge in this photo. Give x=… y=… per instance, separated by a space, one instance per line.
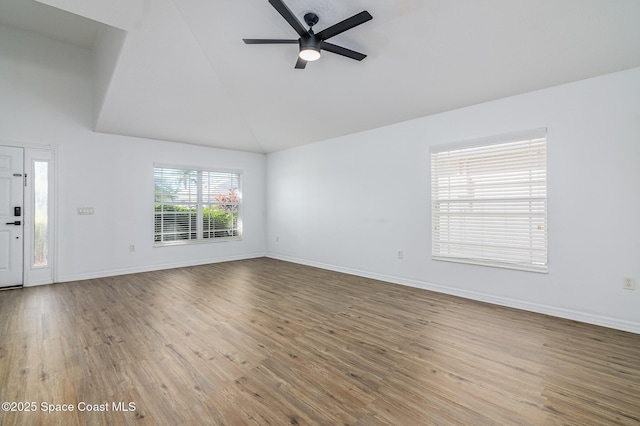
x=25 y=179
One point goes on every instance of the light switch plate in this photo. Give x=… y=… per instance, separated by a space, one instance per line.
x=85 y=210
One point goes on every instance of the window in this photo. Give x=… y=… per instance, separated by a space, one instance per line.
x=489 y=202
x=196 y=205
x=40 y=213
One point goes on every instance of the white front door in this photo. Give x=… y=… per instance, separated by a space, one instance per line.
x=11 y=215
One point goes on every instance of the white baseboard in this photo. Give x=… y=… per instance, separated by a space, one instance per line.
x=157 y=267
x=609 y=322
x=37 y=283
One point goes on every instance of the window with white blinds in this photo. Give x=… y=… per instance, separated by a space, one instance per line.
x=196 y=205
x=489 y=202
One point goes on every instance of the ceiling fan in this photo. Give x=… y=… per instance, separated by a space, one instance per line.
x=310 y=43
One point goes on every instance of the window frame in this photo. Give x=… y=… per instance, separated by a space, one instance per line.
x=472 y=237
x=200 y=204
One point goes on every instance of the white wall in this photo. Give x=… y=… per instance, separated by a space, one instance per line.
x=349 y=203
x=109 y=42
x=46 y=98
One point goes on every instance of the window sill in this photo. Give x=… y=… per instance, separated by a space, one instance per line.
x=197 y=242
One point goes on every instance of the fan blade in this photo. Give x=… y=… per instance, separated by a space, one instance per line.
x=301 y=63
x=268 y=41
x=345 y=25
x=288 y=15
x=329 y=47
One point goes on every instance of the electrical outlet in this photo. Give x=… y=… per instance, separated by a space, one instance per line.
x=400 y=254
x=277 y=239
x=629 y=283
x=132 y=248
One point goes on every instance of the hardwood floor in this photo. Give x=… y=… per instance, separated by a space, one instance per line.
x=268 y=342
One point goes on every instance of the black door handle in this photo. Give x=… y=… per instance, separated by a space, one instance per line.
x=17 y=222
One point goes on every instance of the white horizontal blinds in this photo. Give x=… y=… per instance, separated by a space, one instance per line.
x=489 y=204
x=196 y=204
x=176 y=204
x=221 y=204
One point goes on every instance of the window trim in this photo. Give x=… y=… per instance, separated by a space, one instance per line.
x=199 y=215
x=468 y=258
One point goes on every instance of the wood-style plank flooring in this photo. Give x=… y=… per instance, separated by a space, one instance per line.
x=266 y=342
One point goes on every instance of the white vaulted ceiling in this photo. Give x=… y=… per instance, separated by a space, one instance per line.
x=182 y=73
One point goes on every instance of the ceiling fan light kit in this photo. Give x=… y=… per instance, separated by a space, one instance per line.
x=309 y=54
x=310 y=48
x=312 y=44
